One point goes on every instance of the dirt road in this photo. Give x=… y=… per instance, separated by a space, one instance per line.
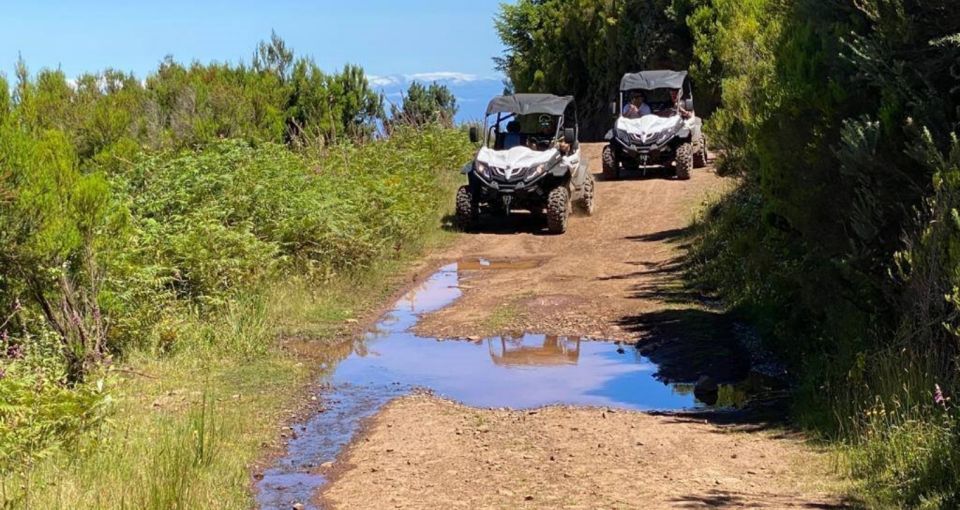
x=614 y=276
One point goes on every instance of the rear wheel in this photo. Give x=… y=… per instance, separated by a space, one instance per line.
x=558 y=208
x=684 y=161
x=467 y=208
x=611 y=169
x=586 y=201
x=700 y=152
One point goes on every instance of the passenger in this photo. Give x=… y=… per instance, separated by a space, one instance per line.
x=512 y=138
x=675 y=98
x=637 y=107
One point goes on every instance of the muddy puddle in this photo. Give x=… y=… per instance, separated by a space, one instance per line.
x=522 y=371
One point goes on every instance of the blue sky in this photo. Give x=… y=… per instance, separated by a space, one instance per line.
x=395 y=41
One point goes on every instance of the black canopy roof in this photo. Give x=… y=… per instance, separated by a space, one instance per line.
x=649 y=80
x=522 y=104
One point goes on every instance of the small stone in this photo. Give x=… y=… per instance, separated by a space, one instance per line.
x=298 y=506
x=528 y=498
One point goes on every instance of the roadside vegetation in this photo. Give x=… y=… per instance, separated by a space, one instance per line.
x=840 y=122
x=160 y=236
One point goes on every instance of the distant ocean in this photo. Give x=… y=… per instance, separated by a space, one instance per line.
x=472 y=92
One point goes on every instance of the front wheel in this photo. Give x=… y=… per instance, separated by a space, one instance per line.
x=467 y=208
x=558 y=208
x=611 y=169
x=586 y=203
x=684 y=161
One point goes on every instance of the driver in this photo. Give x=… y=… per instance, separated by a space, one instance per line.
x=544 y=138
x=637 y=107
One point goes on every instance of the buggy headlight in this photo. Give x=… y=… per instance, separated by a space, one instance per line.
x=482 y=169
x=536 y=172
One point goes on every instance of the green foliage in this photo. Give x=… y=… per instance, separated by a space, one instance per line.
x=277 y=98
x=156 y=216
x=908 y=459
x=324 y=107
x=842 y=240
x=58 y=226
x=424 y=105
x=583 y=48
x=4 y=98
x=37 y=416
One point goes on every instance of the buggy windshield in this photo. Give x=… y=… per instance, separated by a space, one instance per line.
x=535 y=121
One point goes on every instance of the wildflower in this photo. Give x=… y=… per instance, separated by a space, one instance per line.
x=938 y=397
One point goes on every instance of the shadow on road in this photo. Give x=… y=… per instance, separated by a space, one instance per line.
x=730 y=499
x=662 y=173
x=518 y=222
x=691 y=336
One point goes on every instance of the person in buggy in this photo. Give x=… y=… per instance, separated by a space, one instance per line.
x=676 y=106
x=637 y=107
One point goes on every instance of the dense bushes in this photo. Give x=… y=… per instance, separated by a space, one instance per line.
x=159 y=216
x=841 y=241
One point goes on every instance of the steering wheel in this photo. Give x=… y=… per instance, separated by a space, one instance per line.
x=543 y=141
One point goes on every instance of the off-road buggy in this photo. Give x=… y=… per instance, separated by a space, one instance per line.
x=530 y=159
x=670 y=135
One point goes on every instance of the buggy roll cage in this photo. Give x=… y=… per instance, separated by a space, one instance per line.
x=650 y=81
x=509 y=107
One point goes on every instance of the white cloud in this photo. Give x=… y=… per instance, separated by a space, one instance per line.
x=382 y=81
x=449 y=76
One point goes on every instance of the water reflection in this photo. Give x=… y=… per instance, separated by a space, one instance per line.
x=524 y=371
x=555 y=350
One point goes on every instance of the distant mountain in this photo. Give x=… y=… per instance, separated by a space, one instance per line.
x=472 y=91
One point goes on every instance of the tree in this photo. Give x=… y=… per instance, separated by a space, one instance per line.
x=425 y=105
x=273 y=57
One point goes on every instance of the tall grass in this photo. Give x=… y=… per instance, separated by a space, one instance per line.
x=288 y=245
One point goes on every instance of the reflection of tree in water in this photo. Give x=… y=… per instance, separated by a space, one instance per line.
x=555 y=350
x=728 y=395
